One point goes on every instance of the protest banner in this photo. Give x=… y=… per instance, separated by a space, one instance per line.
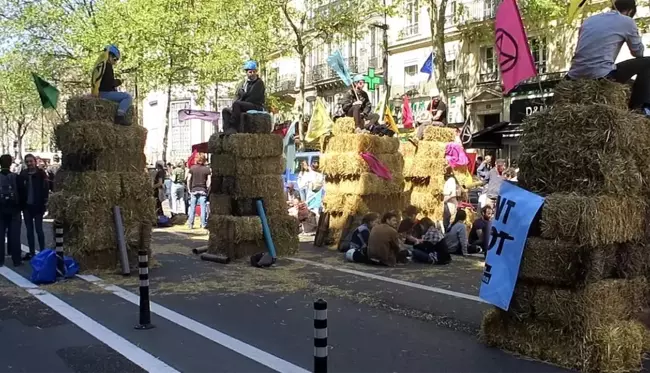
x=515 y=210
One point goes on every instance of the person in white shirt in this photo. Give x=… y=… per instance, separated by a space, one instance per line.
x=303 y=180
x=450 y=193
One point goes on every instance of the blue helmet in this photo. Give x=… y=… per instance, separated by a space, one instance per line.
x=250 y=65
x=358 y=78
x=112 y=49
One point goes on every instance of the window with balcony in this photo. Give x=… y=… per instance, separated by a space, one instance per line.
x=490 y=8
x=539 y=50
x=450 y=17
x=489 y=71
x=451 y=69
x=375 y=48
x=410 y=77
x=412 y=18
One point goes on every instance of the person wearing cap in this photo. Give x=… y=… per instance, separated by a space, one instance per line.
x=356 y=104
x=436 y=114
x=104 y=84
x=599 y=43
x=250 y=96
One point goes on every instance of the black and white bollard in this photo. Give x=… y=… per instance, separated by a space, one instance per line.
x=145 y=307
x=320 y=336
x=58 y=240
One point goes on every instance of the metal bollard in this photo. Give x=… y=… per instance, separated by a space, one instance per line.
x=145 y=308
x=58 y=239
x=320 y=336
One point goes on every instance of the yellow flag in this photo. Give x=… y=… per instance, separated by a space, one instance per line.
x=320 y=122
x=575 y=7
x=390 y=121
x=98 y=73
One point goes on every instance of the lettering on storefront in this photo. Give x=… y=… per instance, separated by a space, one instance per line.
x=520 y=109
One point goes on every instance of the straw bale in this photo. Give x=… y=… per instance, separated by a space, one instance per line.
x=364 y=184
x=260 y=186
x=352 y=164
x=236 y=229
x=592 y=220
x=334 y=202
x=598 y=303
x=256 y=123
x=246 y=145
x=229 y=165
x=423 y=166
x=239 y=250
x=284 y=232
x=560 y=263
x=338 y=223
x=120 y=160
x=595 y=149
x=343 y=126
x=615 y=347
x=363 y=143
x=248 y=206
x=439 y=134
x=82 y=108
x=632 y=260
x=215 y=143
x=97 y=136
x=407 y=148
x=464 y=177
x=578 y=92
x=220 y=204
x=105 y=187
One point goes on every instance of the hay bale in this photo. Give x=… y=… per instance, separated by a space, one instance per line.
x=555 y=262
x=407 y=148
x=599 y=303
x=604 y=91
x=343 y=126
x=110 y=160
x=632 y=260
x=423 y=165
x=97 y=136
x=592 y=220
x=596 y=149
x=90 y=108
x=244 y=249
x=259 y=186
x=615 y=347
x=220 y=204
x=439 y=134
x=361 y=204
x=284 y=232
x=248 y=206
x=364 y=184
x=229 y=165
x=464 y=177
x=256 y=123
x=246 y=145
x=363 y=143
x=429 y=205
x=215 y=143
x=104 y=187
x=352 y=164
x=236 y=229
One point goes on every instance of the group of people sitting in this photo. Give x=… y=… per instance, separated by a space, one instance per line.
x=387 y=241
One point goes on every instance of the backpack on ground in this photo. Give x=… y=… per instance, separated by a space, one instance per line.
x=8 y=191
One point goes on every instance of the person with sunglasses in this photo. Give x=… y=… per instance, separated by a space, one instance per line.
x=108 y=85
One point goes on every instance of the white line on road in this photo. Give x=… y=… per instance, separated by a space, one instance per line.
x=392 y=280
x=111 y=339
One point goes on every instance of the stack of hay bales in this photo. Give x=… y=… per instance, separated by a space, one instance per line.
x=103 y=165
x=245 y=168
x=351 y=189
x=583 y=272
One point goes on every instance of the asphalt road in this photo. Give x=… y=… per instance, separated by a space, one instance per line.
x=235 y=318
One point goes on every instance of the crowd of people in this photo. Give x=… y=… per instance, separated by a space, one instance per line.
x=24 y=190
x=305 y=195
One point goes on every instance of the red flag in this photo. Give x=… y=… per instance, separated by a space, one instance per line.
x=407 y=114
x=511 y=45
x=191 y=161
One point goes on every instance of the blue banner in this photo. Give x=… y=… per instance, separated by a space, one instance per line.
x=514 y=213
x=337 y=63
x=427 y=67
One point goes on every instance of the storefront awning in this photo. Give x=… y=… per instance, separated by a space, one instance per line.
x=488 y=138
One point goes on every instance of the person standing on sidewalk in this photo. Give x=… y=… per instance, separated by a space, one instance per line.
x=11 y=195
x=198 y=182
x=178 y=189
x=34 y=180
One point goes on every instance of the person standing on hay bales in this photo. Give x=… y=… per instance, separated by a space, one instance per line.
x=356 y=104
x=12 y=194
x=600 y=40
x=198 y=183
x=34 y=180
x=104 y=85
x=250 y=96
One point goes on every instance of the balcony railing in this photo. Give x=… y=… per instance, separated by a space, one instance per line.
x=283 y=83
x=456 y=81
x=476 y=11
x=375 y=62
x=408 y=31
x=324 y=72
x=489 y=77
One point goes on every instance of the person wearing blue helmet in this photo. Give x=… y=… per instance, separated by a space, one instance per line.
x=108 y=84
x=356 y=104
x=250 y=96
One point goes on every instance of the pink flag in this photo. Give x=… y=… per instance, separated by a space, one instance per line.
x=407 y=114
x=511 y=46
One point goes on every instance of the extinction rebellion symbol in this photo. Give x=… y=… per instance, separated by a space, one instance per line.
x=507 y=50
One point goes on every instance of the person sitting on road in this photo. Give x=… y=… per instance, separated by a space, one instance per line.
x=432 y=249
x=409 y=228
x=478 y=233
x=383 y=242
x=104 y=84
x=456 y=237
x=358 y=251
x=356 y=104
x=250 y=96
x=599 y=43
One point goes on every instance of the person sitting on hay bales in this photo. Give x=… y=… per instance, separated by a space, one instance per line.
x=356 y=104
x=383 y=242
x=12 y=193
x=432 y=249
x=478 y=233
x=599 y=43
x=250 y=96
x=358 y=251
x=456 y=236
x=435 y=115
x=104 y=84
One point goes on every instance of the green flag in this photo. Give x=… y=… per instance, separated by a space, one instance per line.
x=49 y=94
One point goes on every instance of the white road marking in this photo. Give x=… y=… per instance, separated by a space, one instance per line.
x=392 y=280
x=108 y=337
x=216 y=336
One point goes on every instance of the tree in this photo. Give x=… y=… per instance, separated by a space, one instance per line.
x=437 y=19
